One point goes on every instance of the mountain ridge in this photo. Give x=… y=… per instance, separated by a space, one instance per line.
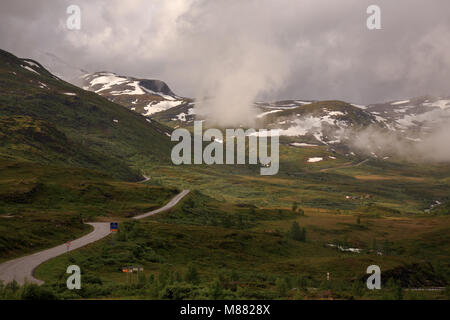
x=90 y=122
x=300 y=122
x=145 y=96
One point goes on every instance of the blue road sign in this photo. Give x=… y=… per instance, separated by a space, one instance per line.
x=113 y=226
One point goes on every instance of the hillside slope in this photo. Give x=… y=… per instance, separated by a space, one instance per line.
x=25 y=139
x=98 y=127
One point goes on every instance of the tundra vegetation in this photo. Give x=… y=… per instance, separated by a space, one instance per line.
x=65 y=161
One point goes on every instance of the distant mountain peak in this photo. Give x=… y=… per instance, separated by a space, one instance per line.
x=145 y=96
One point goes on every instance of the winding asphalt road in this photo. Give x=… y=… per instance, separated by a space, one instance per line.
x=172 y=203
x=21 y=269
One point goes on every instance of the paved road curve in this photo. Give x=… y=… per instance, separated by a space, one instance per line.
x=172 y=203
x=21 y=269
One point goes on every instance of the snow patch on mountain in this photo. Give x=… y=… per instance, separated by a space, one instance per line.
x=315 y=159
x=107 y=81
x=400 y=102
x=302 y=144
x=266 y=113
x=30 y=69
x=443 y=104
x=31 y=63
x=316 y=126
x=359 y=106
x=42 y=85
x=155 y=107
x=182 y=116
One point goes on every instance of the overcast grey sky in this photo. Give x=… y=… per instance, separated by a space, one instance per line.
x=247 y=49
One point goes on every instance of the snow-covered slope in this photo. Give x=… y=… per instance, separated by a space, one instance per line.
x=388 y=131
x=141 y=95
x=300 y=122
x=413 y=116
x=324 y=122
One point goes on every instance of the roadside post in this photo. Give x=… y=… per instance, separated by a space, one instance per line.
x=68 y=246
x=113 y=227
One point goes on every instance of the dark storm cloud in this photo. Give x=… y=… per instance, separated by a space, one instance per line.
x=247 y=49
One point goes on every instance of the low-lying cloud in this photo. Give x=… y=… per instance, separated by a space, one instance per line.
x=237 y=51
x=426 y=147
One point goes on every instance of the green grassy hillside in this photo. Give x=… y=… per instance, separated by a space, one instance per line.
x=237 y=235
x=64 y=156
x=89 y=121
x=44 y=205
x=23 y=138
x=186 y=261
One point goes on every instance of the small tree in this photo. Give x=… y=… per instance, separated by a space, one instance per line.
x=358 y=220
x=297 y=233
x=294 y=206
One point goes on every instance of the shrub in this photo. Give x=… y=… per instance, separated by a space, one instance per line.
x=302 y=282
x=282 y=287
x=35 y=292
x=216 y=290
x=179 y=291
x=296 y=233
x=191 y=275
x=357 y=289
